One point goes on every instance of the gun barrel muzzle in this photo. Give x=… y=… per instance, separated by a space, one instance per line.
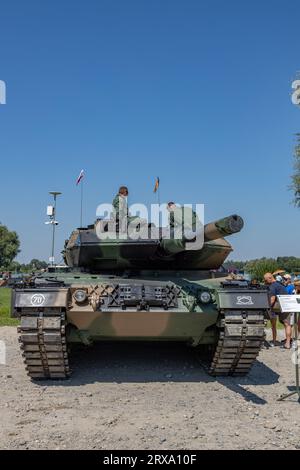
x=223 y=227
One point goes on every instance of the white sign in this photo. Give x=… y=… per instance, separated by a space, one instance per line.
x=2 y=92
x=50 y=211
x=289 y=303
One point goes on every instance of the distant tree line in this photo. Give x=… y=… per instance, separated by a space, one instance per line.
x=33 y=265
x=258 y=267
x=10 y=248
x=295 y=186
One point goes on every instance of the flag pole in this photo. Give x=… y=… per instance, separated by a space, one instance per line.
x=158 y=201
x=158 y=195
x=80 y=181
x=157 y=191
x=81 y=201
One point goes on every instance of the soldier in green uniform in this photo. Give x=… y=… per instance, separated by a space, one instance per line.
x=120 y=202
x=120 y=208
x=184 y=225
x=182 y=218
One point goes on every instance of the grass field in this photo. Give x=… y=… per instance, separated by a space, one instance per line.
x=5 y=319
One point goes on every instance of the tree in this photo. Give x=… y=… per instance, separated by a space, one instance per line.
x=295 y=186
x=14 y=266
x=234 y=265
x=9 y=246
x=258 y=267
x=289 y=263
x=36 y=264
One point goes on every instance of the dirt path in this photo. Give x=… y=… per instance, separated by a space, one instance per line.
x=147 y=396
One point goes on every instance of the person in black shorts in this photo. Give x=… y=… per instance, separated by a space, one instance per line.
x=276 y=288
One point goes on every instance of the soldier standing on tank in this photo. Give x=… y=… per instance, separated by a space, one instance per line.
x=120 y=200
x=120 y=207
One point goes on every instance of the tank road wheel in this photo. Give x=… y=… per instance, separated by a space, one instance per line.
x=44 y=346
x=241 y=334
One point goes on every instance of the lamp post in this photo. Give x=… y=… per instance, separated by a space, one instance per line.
x=51 y=211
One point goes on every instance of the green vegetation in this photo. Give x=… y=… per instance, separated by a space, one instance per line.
x=34 y=265
x=258 y=267
x=5 y=296
x=9 y=246
x=295 y=186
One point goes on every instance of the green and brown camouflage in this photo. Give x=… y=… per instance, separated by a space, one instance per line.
x=85 y=250
x=142 y=290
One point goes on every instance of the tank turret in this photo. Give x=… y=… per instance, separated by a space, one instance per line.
x=86 y=250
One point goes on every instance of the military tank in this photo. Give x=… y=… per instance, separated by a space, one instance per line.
x=141 y=290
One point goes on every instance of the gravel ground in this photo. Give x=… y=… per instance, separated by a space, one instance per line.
x=147 y=396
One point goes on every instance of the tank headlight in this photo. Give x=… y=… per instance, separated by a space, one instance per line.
x=80 y=296
x=205 y=297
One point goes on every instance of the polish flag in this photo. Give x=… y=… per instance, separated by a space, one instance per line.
x=80 y=177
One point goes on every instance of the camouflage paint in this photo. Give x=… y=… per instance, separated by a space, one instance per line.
x=84 y=249
x=189 y=320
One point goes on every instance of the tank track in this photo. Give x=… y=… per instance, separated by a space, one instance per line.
x=43 y=343
x=240 y=340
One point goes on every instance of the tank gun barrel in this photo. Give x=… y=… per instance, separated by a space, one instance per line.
x=212 y=231
x=223 y=227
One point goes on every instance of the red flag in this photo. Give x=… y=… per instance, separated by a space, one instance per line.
x=80 y=177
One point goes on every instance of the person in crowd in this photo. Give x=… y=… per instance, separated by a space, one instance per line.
x=275 y=288
x=296 y=291
x=287 y=279
x=279 y=278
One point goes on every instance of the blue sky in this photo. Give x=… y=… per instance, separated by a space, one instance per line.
x=195 y=91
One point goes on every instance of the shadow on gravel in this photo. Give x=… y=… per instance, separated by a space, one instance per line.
x=121 y=362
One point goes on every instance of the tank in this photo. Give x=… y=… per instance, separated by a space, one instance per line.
x=158 y=289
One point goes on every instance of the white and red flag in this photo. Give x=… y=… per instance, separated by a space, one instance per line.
x=80 y=177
